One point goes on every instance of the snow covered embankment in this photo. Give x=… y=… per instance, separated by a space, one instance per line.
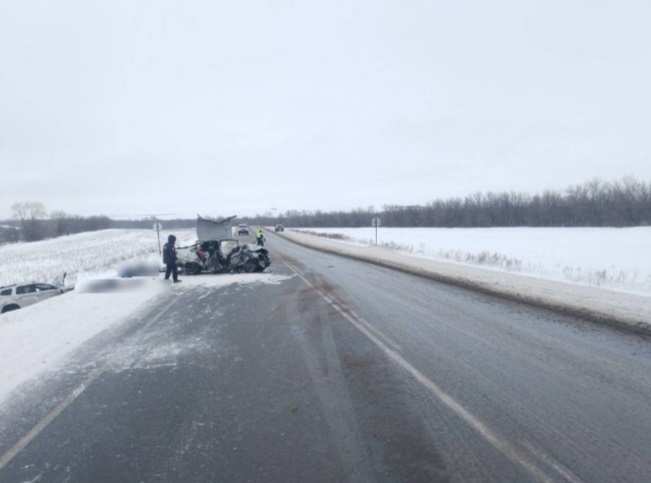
x=625 y=310
x=604 y=257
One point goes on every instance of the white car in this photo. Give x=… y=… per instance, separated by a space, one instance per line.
x=243 y=230
x=14 y=297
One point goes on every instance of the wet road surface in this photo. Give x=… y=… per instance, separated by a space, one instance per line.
x=343 y=371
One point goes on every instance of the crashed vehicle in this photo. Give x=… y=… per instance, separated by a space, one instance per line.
x=14 y=297
x=222 y=256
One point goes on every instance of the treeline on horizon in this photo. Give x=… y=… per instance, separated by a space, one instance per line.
x=621 y=203
x=32 y=222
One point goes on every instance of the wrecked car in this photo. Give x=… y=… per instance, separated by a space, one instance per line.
x=222 y=256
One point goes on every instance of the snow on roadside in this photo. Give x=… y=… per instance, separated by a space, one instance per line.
x=80 y=256
x=614 y=258
x=600 y=305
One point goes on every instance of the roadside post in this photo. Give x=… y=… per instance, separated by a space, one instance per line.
x=158 y=227
x=376 y=222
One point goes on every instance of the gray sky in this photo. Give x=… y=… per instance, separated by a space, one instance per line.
x=133 y=107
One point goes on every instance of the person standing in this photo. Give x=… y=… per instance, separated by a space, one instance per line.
x=259 y=237
x=169 y=259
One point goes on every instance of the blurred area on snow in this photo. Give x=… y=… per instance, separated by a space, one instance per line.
x=108 y=285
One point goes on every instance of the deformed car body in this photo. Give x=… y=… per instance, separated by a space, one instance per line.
x=222 y=256
x=14 y=297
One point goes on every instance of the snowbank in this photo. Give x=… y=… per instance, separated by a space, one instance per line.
x=615 y=258
x=630 y=311
x=81 y=255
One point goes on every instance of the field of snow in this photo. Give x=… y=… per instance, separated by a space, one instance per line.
x=81 y=255
x=614 y=258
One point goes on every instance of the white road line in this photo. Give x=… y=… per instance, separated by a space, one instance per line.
x=566 y=472
x=51 y=416
x=6 y=458
x=514 y=454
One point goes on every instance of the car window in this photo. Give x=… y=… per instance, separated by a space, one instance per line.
x=25 y=289
x=41 y=287
x=6 y=292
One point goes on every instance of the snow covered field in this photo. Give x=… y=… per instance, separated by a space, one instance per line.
x=81 y=255
x=615 y=258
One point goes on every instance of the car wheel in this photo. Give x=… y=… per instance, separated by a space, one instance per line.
x=250 y=266
x=264 y=263
x=9 y=308
x=192 y=268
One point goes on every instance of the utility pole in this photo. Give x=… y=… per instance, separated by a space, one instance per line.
x=158 y=227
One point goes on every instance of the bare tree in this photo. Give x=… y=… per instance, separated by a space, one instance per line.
x=31 y=215
x=626 y=202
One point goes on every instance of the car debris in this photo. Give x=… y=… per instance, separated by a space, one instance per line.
x=222 y=256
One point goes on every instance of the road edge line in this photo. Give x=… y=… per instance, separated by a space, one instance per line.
x=23 y=442
x=33 y=433
x=582 y=313
x=510 y=451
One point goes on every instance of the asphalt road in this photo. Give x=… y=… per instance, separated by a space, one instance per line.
x=342 y=372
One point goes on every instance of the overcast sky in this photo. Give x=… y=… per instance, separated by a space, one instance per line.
x=134 y=107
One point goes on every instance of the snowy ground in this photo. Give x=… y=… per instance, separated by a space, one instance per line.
x=82 y=255
x=615 y=258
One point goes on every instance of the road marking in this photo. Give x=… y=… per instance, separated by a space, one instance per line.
x=51 y=416
x=513 y=453
x=6 y=458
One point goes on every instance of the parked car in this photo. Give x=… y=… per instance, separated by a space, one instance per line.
x=243 y=230
x=14 y=297
x=279 y=228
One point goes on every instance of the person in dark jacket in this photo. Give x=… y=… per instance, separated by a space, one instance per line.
x=169 y=259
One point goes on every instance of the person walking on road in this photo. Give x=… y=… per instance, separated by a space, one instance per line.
x=169 y=259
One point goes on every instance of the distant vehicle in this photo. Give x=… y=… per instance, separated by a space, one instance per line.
x=222 y=256
x=279 y=228
x=14 y=297
x=243 y=230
